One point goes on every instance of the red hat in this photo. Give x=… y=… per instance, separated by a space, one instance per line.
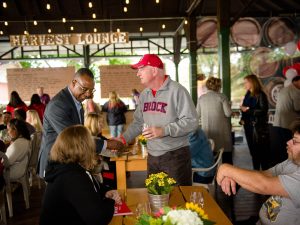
x=149 y=60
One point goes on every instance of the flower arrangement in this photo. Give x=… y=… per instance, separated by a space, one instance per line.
x=159 y=183
x=142 y=140
x=192 y=214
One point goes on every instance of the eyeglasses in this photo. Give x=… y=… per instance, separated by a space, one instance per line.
x=295 y=142
x=84 y=89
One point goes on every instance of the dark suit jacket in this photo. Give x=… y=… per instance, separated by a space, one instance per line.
x=60 y=113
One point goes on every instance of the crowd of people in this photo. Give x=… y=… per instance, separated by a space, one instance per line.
x=73 y=148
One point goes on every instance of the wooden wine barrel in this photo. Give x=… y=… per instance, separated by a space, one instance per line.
x=262 y=64
x=206 y=33
x=272 y=88
x=246 y=32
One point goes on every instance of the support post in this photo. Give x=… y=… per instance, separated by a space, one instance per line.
x=86 y=55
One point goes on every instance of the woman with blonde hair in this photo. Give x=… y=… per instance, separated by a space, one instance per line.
x=94 y=123
x=255 y=121
x=214 y=112
x=72 y=195
x=115 y=109
x=33 y=118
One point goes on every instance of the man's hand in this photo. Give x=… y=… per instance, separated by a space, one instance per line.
x=222 y=172
x=114 y=194
x=153 y=132
x=228 y=186
x=115 y=145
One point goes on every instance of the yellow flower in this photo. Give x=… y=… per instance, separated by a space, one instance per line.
x=197 y=209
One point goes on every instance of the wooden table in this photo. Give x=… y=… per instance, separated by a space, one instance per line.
x=178 y=197
x=128 y=163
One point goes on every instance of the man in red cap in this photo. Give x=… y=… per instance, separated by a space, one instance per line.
x=165 y=116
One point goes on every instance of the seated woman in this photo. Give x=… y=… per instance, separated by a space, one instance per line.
x=72 y=195
x=32 y=117
x=17 y=151
x=202 y=156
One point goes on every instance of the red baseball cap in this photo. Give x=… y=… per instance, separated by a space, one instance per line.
x=149 y=60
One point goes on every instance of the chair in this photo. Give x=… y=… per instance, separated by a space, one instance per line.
x=218 y=162
x=23 y=180
x=35 y=145
x=212 y=144
x=2 y=207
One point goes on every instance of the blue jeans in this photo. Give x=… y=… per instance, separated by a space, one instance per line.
x=116 y=130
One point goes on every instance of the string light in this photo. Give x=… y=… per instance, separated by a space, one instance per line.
x=163 y=26
x=48 y=6
x=35 y=23
x=94 y=15
x=95 y=30
x=49 y=30
x=157 y=1
x=141 y=29
x=185 y=22
x=118 y=30
x=125 y=9
x=25 y=32
x=127 y=2
x=71 y=28
x=90 y=5
x=64 y=20
x=4 y=4
x=1 y=32
x=5 y=23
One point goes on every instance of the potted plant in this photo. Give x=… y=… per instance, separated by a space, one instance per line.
x=143 y=142
x=159 y=186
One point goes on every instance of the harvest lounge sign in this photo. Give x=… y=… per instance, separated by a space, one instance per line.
x=68 y=39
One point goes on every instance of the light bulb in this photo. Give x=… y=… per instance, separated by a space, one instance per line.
x=127 y=2
x=49 y=30
x=95 y=30
x=48 y=6
x=118 y=30
x=64 y=20
x=25 y=32
x=35 y=23
x=141 y=29
x=94 y=15
x=125 y=9
x=163 y=26
x=1 y=32
x=71 y=28
x=90 y=5
x=5 y=23
x=185 y=22
x=4 y=4
x=157 y=1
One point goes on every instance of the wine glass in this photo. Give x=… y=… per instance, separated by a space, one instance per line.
x=197 y=198
x=143 y=208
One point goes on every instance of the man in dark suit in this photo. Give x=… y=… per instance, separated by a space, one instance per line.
x=64 y=110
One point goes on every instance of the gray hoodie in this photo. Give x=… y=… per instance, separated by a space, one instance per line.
x=172 y=108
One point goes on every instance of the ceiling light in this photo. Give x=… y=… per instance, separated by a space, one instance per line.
x=125 y=9
x=1 y=32
x=118 y=30
x=163 y=26
x=94 y=15
x=49 y=30
x=127 y=2
x=90 y=5
x=48 y=6
x=4 y=5
x=64 y=20
x=185 y=22
x=34 y=22
x=5 y=23
x=157 y=1
x=95 y=30
x=71 y=28
x=141 y=29
x=25 y=32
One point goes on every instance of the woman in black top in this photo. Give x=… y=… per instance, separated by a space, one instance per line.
x=255 y=120
x=72 y=195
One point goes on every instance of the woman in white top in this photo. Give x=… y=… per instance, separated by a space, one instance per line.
x=17 y=152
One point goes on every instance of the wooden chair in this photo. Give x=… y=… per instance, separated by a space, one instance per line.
x=209 y=186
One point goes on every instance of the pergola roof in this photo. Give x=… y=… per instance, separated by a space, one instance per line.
x=110 y=14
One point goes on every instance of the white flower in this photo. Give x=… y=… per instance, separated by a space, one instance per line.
x=183 y=217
